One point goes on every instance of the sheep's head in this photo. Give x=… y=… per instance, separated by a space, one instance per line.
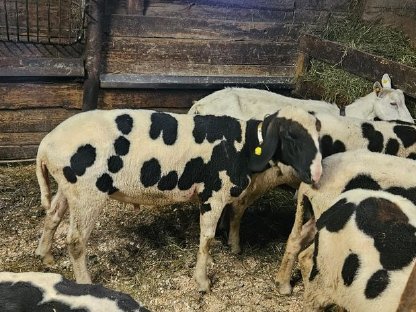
x=291 y=136
x=390 y=104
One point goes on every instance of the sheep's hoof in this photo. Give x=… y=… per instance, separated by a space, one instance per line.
x=285 y=289
x=235 y=249
x=203 y=286
x=48 y=260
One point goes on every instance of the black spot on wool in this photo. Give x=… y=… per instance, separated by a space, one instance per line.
x=168 y=182
x=79 y=162
x=329 y=147
x=409 y=193
x=121 y=146
x=406 y=134
x=124 y=301
x=124 y=123
x=164 y=124
x=105 y=184
x=376 y=284
x=114 y=163
x=394 y=238
x=392 y=147
x=350 y=269
x=205 y=208
x=412 y=156
x=362 y=181
x=150 y=172
x=374 y=137
x=193 y=173
x=24 y=296
x=212 y=128
x=335 y=218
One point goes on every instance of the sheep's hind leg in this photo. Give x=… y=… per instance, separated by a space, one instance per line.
x=83 y=216
x=210 y=213
x=53 y=218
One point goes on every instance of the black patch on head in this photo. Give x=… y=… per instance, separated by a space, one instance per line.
x=124 y=301
x=329 y=147
x=168 y=182
x=213 y=128
x=335 y=218
x=406 y=134
x=24 y=296
x=374 y=137
x=412 y=156
x=69 y=175
x=205 y=208
x=150 y=173
x=124 y=123
x=105 y=184
x=121 y=146
x=315 y=270
x=362 y=181
x=114 y=163
x=394 y=238
x=376 y=284
x=409 y=193
x=350 y=269
x=392 y=147
x=164 y=124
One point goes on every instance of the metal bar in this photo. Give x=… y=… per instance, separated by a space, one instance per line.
x=17 y=21
x=37 y=21
x=27 y=21
x=7 y=20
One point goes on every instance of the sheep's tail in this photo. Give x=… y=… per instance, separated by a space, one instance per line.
x=42 y=174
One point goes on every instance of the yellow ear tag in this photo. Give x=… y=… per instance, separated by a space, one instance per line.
x=257 y=151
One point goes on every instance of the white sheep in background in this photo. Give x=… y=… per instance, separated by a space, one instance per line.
x=40 y=292
x=383 y=103
x=343 y=172
x=363 y=252
x=148 y=157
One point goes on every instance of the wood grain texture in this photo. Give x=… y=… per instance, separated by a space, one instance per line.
x=21 y=139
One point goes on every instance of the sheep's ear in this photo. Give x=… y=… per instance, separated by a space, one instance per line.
x=377 y=88
x=386 y=81
x=264 y=153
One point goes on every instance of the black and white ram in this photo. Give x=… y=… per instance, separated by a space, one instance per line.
x=148 y=157
x=383 y=103
x=359 y=169
x=41 y=292
x=363 y=252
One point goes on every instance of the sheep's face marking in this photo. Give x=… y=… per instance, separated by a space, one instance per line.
x=165 y=125
x=80 y=161
x=329 y=147
x=291 y=137
x=406 y=134
x=350 y=268
x=374 y=137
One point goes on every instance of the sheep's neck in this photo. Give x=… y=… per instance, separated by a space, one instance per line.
x=362 y=108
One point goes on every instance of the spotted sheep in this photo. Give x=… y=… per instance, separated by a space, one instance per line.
x=359 y=169
x=40 y=292
x=147 y=157
x=384 y=103
x=337 y=134
x=363 y=252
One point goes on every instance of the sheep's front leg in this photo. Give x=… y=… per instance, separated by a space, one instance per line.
x=298 y=238
x=53 y=218
x=210 y=214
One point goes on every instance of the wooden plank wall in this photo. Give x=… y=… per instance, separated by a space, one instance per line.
x=215 y=37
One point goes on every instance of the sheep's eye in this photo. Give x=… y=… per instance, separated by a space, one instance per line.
x=393 y=104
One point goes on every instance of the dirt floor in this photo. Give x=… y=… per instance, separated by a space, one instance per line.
x=151 y=253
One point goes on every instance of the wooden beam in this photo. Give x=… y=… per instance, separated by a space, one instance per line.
x=41 y=67
x=363 y=64
x=18 y=152
x=408 y=298
x=93 y=55
x=138 y=81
